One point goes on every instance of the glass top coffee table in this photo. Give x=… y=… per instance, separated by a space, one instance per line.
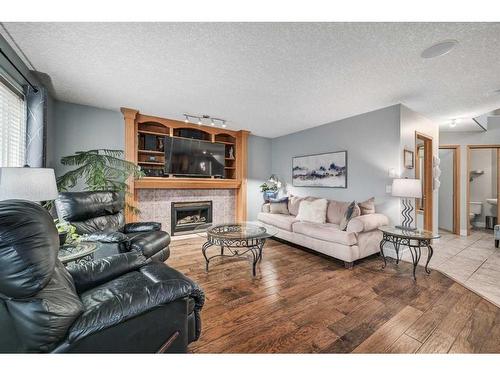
x=235 y=240
x=413 y=239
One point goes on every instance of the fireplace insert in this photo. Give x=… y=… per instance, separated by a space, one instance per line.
x=186 y=216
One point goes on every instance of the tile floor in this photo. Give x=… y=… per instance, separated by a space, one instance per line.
x=472 y=261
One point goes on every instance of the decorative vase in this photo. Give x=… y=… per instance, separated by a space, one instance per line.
x=269 y=195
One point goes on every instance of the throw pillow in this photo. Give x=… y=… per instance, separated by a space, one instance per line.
x=279 y=206
x=313 y=211
x=294 y=204
x=352 y=211
x=367 y=207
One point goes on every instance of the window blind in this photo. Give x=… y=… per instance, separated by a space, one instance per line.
x=12 y=127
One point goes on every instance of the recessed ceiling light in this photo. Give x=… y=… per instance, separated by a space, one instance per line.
x=439 y=49
x=453 y=123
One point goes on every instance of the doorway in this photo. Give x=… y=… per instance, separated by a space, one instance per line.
x=483 y=162
x=423 y=172
x=449 y=191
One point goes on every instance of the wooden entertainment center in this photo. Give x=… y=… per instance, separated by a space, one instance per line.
x=140 y=128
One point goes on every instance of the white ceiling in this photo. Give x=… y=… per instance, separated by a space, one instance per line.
x=269 y=78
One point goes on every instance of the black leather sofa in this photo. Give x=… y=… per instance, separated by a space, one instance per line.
x=124 y=303
x=100 y=216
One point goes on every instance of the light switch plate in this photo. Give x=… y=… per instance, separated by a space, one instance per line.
x=388 y=189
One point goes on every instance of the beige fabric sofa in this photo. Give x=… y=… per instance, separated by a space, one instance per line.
x=361 y=239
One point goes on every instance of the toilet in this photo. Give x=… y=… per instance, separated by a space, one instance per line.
x=475 y=209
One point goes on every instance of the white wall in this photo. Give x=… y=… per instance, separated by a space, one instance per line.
x=492 y=136
x=446 y=190
x=412 y=122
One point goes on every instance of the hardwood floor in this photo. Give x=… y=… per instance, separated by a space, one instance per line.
x=304 y=303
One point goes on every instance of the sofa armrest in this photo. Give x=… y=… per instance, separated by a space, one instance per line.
x=90 y=274
x=106 y=237
x=145 y=226
x=366 y=223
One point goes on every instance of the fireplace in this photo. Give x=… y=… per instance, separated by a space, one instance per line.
x=186 y=216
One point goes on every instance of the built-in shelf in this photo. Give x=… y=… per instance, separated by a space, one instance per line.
x=140 y=148
x=152 y=133
x=151 y=152
x=186 y=183
x=150 y=163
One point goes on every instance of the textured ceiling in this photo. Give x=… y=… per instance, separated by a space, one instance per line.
x=269 y=78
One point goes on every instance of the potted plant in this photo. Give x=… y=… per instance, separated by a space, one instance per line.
x=269 y=190
x=100 y=169
x=67 y=232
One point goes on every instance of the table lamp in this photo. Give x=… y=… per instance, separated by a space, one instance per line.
x=407 y=189
x=31 y=184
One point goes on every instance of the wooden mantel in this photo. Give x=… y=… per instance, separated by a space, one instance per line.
x=137 y=123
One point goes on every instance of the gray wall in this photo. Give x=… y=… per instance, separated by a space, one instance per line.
x=79 y=128
x=372 y=141
x=259 y=170
x=492 y=136
x=446 y=190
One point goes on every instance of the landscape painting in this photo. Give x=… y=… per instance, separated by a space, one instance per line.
x=322 y=170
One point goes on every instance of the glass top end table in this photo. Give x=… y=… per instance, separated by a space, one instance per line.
x=76 y=252
x=235 y=240
x=413 y=239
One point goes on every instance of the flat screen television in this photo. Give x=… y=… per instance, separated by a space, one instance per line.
x=195 y=158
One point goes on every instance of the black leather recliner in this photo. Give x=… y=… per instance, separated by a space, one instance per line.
x=100 y=216
x=124 y=303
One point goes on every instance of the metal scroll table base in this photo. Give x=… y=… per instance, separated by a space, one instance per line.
x=235 y=248
x=415 y=246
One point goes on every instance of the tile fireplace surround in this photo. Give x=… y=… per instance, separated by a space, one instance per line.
x=155 y=204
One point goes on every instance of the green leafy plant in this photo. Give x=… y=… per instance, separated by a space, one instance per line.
x=267 y=186
x=100 y=169
x=65 y=227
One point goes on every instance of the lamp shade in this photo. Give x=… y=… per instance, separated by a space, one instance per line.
x=406 y=188
x=31 y=184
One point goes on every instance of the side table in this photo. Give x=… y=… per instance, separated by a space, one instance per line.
x=77 y=252
x=414 y=240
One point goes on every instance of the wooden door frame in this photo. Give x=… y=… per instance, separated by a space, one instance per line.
x=428 y=191
x=456 y=185
x=467 y=200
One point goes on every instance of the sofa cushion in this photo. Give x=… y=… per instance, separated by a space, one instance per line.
x=336 y=211
x=278 y=220
x=279 y=206
x=313 y=211
x=294 y=204
x=367 y=207
x=326 y=232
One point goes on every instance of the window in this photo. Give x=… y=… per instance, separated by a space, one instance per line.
x=12 y=126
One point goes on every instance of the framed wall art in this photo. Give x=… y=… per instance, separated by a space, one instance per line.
x=320 y=170
x=408 y=158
